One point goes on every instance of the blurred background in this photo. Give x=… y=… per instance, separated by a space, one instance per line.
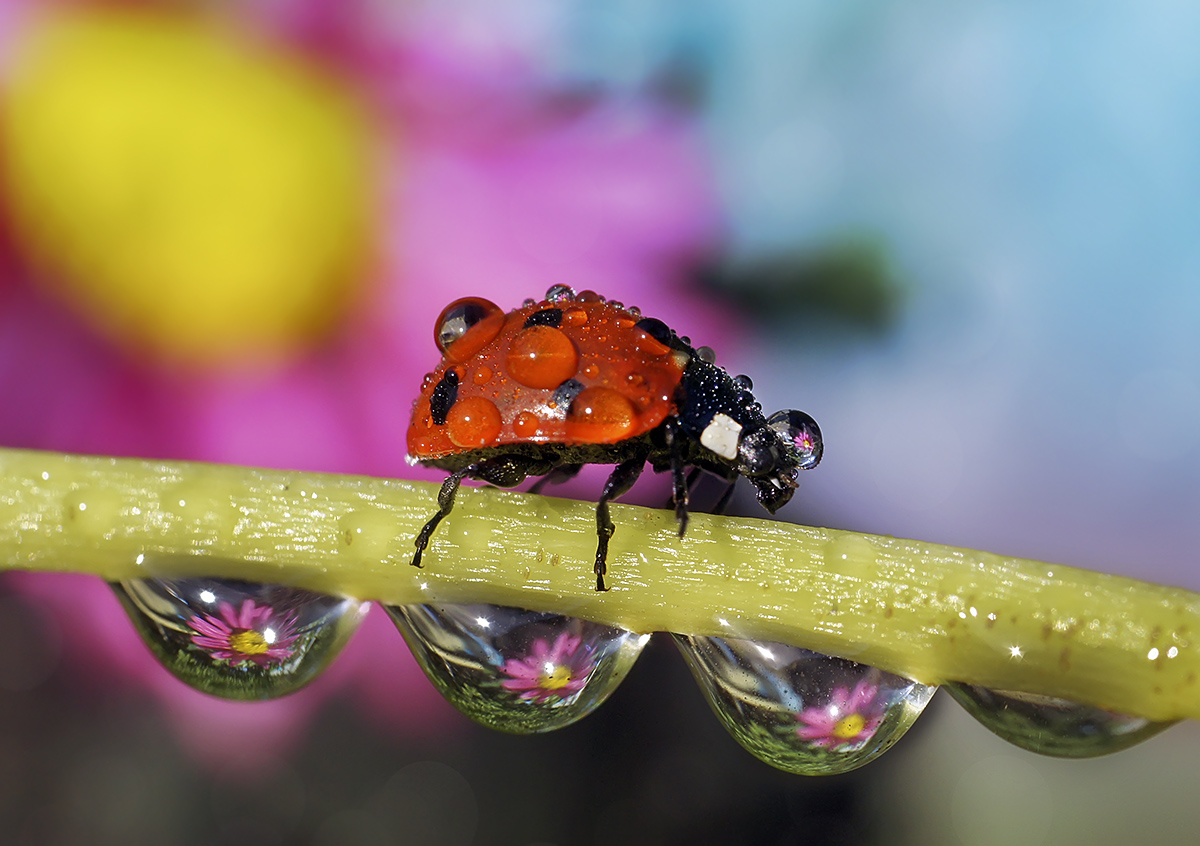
x=963 y=239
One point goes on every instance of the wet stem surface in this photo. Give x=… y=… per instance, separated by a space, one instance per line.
x=652 y=766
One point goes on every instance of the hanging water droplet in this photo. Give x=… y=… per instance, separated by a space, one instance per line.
x=239 y=640
x=1051 y=726
x=515 y=670
x=802 y=711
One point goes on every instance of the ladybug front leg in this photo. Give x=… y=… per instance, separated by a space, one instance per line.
x=445 y=504
x=619 y=482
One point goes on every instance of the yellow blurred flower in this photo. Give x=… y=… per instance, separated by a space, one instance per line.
x=196 y=196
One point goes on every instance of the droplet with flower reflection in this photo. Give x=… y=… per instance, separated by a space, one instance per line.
x=239 y=640
x=1051 y=726
x=515 y=670
x=802 y=711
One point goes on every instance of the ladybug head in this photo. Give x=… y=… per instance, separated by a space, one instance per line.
x=773 y=455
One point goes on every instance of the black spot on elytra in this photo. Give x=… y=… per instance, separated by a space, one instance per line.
x=443 y=397
x=565 y=393
x=545 y=317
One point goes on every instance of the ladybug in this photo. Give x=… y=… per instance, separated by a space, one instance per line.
x=576 y=379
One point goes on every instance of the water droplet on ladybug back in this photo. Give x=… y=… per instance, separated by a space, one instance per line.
x=526 y=424
x=600 y=415
x=483 y=375
x=473 y=422
x=541 y=357
x=706 y=354
x=559 y=294
x=461 y=315
x=574 y=317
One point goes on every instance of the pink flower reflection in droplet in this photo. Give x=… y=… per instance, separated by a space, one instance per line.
x=252 y=632
x=550 y=672
x=848 y=718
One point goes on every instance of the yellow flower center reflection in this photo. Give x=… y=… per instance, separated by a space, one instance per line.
x=249 y=642
x=554 y=677
x=849 y=727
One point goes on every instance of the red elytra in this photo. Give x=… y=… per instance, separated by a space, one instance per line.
x=574 y=380
x=620 y=382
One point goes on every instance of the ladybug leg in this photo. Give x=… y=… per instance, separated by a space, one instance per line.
x=619 y=482
x=556 y=477
x=445 y=504
x=681 y=485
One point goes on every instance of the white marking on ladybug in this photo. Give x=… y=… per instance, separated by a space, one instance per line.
x=721 y=436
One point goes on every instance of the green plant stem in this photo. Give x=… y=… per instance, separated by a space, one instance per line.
x=930 y=612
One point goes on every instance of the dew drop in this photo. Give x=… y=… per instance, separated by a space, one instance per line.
x=541 y=357
x=574 y=317
x=460 y=317
x=93 y=513
x=1051 y=726
x=473 y=423
x=526 y=424
x=560 y=293
x=239 y=640
x=802 y=711
x=515 y=670
x=600 y=415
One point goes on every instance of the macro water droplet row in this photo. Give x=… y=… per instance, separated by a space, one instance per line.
x=239 y=640
x=515 y=670
x=524 y=672
x=799 y=710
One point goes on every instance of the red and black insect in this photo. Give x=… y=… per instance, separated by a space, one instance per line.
x=575 y=380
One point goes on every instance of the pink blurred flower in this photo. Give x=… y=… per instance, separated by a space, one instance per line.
x=493 y=186
x=848 y=718
x=250 y=633
x=550 y=672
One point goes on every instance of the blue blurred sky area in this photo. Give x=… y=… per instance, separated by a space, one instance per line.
x=1031 y=172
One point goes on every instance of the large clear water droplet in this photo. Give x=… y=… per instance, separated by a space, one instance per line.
x=515 y=670
x=239 y=640
x=802 y=711
x=1051 y=726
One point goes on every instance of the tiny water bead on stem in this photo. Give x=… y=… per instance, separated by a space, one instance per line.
x=879 y=621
